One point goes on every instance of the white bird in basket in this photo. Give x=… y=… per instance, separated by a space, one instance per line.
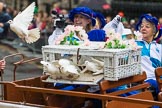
x=52 y=69
x=95 y=66
x=62 y=69
x=70 y=72
x=64 y=62
x=69 y=69
x=21 y=22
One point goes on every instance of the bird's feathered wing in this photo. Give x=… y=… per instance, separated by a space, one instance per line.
x=33 y=36
x=23 y=20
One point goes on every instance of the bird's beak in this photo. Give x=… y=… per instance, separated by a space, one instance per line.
x=9 y=21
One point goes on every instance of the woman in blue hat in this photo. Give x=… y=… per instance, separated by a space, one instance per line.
x=151 y=51
x=85 y=17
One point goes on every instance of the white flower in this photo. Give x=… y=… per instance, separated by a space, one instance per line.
x=115 y=41
x=69 y=34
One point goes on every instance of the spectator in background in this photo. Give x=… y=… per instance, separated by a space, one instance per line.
x=4 y=18
x=56 y=7
x=121 y=13
x=44 y=21
x=39 y=17
x=151 y=50
x=127 y=34
x=2 y=64
x=10 y=11
x=65 y=13
x=108 y=19
x=33 y=23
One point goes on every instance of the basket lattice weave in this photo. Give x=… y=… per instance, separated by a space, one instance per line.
x=118 y=63
x=122 y=64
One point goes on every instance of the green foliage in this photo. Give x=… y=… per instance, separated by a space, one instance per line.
x=69 y=39
x=117 y=45
x=64 y=41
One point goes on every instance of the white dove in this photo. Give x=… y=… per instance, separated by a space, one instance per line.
x=21 y=22
x=52 y=69
x=61 y=71
x=70 y=72
x=69 y=69
x=95 y=66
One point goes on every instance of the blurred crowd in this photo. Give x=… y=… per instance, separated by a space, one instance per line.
x=45 y=20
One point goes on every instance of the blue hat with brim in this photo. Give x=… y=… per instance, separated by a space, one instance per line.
x=87 y=12
x=153 y=20
x=101 y=18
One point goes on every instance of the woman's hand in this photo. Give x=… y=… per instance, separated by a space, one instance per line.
x=2 y=64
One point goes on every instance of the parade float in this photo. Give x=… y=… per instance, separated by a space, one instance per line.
x=111 y=60
x=106 y=64
x=68 y=61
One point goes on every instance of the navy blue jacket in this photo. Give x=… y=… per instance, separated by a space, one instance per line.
x=4 y=18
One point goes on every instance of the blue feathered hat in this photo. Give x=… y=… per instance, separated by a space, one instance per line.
x=87 y=12
x=101 y=18
x=152 y=20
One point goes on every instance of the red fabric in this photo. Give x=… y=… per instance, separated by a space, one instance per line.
x=43 y=25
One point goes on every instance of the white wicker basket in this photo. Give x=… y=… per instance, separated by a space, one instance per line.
x=122 y=64
x=118 y=63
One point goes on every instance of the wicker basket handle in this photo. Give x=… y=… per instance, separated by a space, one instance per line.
x=78 y=56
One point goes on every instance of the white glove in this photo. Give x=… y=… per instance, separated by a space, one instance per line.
x=115 y=24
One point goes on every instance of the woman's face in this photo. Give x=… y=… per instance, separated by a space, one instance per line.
x=81 y=20
x=147 y=30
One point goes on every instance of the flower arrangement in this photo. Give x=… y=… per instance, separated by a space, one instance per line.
x=115 y=41
x=72 y=35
